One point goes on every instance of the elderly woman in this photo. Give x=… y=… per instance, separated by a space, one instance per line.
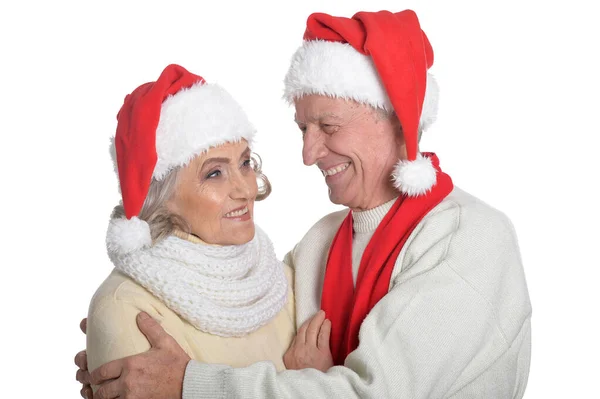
x=183 y=242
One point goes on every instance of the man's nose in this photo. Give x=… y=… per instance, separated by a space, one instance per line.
x=314 y=146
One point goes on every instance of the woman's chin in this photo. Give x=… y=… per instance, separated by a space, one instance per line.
x=239 y=235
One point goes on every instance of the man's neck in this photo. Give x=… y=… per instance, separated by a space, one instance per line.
x=374 y=202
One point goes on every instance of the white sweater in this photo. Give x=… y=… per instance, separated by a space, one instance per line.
x=455 y=323
x=364 y=224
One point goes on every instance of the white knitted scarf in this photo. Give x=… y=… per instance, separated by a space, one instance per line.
x=228 y=290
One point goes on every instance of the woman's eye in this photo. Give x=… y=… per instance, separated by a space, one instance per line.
x=247 y=163
x=213 y=174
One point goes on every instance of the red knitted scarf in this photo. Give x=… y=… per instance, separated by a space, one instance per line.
x=347 y=306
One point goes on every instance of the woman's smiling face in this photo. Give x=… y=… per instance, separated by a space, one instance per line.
x=215 y=195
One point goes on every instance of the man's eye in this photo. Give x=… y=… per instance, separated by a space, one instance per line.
x=213 y=174
x=247 y=163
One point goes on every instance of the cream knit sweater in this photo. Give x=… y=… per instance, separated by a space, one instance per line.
x=112 y=331
x=455 y=323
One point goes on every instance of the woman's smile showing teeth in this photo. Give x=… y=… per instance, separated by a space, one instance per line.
x=238 y=213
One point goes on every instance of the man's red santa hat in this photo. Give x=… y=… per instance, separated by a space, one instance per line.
x=380 y=59
x=163 y=125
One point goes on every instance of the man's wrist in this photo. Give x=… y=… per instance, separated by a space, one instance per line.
x=203 y=380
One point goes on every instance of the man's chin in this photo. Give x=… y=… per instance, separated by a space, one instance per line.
x=337 y=198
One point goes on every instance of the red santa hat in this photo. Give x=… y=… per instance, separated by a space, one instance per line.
x=163 y=125
x=375 y=58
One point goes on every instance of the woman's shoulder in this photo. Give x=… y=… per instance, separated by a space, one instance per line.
x=119 y=289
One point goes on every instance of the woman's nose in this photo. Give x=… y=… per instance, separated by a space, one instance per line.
x=241 y=187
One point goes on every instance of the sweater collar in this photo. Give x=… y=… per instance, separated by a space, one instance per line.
x=367 y=221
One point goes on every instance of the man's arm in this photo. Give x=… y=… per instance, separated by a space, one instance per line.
x=410 y=348
x=454 y=327
x=455 y=324
x=434 y=339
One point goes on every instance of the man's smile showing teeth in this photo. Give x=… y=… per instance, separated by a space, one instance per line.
x=335 y=170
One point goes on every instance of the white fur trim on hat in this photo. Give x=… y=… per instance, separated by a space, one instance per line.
x=127 y=235
x=414 y=178
x=194 y=120
x=337 y=70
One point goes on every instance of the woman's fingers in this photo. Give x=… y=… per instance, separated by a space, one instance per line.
x=301 y=334
x=324 y=334
x=312 y=331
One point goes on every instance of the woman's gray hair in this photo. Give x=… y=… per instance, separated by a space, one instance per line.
x=264 y=185
x=162 y=222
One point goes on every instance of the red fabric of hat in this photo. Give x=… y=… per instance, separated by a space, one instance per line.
x=400 y=51
x=135 y=139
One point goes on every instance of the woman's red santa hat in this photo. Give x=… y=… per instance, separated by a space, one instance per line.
x=163 y=125
x=380 y=59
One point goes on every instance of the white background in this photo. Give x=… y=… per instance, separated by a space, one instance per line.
x=518 y=128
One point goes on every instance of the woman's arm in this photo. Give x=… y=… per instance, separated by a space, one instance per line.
x=112 y=332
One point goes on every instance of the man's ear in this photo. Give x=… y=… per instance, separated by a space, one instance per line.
x=399 y=136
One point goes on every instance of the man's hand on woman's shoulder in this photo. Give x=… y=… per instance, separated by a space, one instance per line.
x=155 y=374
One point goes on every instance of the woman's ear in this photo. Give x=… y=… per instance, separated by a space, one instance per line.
x=171 y=205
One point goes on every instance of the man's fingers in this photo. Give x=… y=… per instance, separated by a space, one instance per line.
x=86 y=392
x=106 y=372
x=110 y=390
x=83 y=325
x=156 y=335
x=324 y=334
x=81 y=360
x=83 y=377
x=314 y=326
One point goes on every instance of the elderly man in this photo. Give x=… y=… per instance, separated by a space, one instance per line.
x=422 y=283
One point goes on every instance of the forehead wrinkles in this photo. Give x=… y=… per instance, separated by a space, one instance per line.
x=334 y=110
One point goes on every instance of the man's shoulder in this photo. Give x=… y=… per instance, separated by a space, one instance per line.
x=467 y=211
x=327 y=226
x=319 y=236
x=460 y=226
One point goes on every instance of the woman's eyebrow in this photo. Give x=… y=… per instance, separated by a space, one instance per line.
x=211 y=161
x=246 y=153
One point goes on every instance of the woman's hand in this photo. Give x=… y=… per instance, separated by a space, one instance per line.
x=310 y=347
x=83 y=375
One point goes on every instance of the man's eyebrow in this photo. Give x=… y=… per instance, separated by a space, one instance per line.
x=321 y=116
